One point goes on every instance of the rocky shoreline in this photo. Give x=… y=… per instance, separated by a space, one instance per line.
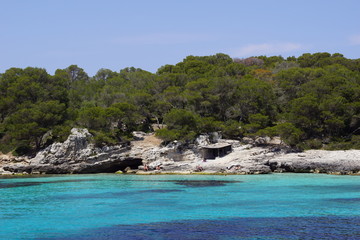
x=146 y=156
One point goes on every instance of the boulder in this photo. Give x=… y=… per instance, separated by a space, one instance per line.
x=206 y=139
x=247 y=140
x=259 y=141
x=138 y=135
x=202 y=140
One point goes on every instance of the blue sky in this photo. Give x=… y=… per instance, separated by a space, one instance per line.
x=150 y=33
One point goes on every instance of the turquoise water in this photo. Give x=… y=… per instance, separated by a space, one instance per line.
x=109 y=206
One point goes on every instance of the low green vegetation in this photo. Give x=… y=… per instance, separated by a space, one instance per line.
x=312 y=101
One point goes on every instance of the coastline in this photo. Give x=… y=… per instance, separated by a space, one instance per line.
x=345 y=162
x=146 y=156
x=252 y=161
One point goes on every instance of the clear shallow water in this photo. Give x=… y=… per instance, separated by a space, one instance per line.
x=106 y=206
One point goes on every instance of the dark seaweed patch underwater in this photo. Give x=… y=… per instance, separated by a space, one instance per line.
x=196 y=183
x=35 y=183
x=234 y=228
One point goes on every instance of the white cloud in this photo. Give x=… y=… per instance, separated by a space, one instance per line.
x=355 y=39
x=267 y=48
x=160 y=38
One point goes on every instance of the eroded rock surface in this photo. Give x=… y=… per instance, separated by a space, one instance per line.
x=318 y=161
x=146 y=155
x=76 y=155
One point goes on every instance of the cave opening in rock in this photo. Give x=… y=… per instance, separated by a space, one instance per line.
x=113 y=167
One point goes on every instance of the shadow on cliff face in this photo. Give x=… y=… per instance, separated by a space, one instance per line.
x=111 y=167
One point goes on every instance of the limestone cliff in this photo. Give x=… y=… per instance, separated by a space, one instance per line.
x=77 y=155
x=146 y=155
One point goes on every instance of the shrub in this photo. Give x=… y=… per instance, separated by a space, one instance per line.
x=22 y=150
x=102 y=139
x=353 y=143
x=232 y=129
x=168 y=135
x=311 y=144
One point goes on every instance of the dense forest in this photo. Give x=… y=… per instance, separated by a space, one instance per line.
x=312 y=101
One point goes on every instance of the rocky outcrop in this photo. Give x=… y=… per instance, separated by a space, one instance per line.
x=146 y=156
x=259 y=157
x=8 y=159
x=318 y=161
x=175 y=158
x=77 y=155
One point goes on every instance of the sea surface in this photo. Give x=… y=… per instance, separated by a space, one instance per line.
x=110 y=206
